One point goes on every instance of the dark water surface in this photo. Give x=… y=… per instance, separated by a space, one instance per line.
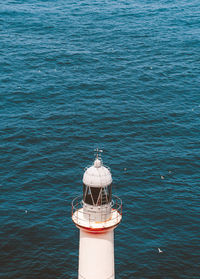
x=121 y=75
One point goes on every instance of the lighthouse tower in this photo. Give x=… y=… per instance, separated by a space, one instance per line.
x=96 y=213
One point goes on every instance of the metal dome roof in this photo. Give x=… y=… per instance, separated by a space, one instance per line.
x=97 y=175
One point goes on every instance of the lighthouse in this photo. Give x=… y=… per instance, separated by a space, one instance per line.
x=96 y=213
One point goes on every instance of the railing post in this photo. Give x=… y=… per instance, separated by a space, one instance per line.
x=77 y=209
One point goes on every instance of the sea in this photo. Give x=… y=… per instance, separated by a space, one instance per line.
x=122 y=76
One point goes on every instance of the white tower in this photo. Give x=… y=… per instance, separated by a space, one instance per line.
x=97 y=213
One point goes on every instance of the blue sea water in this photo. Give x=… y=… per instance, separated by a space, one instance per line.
x=120 y=75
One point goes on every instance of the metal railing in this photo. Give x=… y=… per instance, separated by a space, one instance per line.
x=115 y=206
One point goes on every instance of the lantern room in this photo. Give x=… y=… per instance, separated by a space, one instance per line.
x=97 y=209
x=97 y=192
x=97 y=184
